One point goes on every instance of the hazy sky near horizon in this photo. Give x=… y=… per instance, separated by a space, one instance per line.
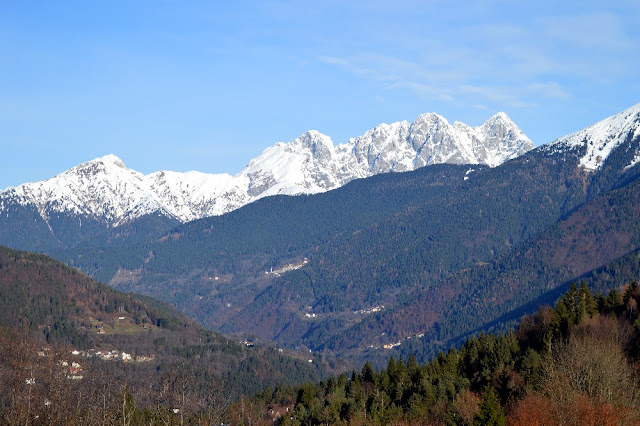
x=208 y=85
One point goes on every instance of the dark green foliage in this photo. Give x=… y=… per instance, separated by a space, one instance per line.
x=429 y=245
x=573 y=308
x=479 y=384
x=368 y=243
x=23 y=228
x=491 y=412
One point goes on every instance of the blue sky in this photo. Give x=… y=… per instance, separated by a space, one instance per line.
x=206 y=85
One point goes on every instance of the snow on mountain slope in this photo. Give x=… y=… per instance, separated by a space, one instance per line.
x=304 y=166
x=429 y=140
x=312 y=164
x=106 y=190
x=601 y=139
x=103 y=187
x=193 y=195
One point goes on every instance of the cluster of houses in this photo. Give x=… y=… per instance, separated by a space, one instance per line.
x=114 y=355
x=105 y=355
x=369 y=310
x=393 y=345
x=287 y=268
x=74 y=369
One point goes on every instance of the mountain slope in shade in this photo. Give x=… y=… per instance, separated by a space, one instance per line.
x=104 y=190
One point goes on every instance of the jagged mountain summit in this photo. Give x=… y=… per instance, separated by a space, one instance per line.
x=312 y=164
x=105 y=190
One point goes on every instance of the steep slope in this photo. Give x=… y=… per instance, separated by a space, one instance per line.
x=312 y=164
x=430 y=139
x=384 y=258
x=597 y=242
x=416 y=249
x=106 y=190
x=86 y=202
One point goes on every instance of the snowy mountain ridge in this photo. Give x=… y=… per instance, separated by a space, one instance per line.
x=600 y=139
x=106 y=190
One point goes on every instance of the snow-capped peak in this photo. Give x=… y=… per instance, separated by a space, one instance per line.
x=111 y=159
x=500 y=116
x=600 y=139
x=313 y=137
x=320 y=145
x=105 y=162
x=432 y=118
x=105 y=189
x=430 y=139
x=101 y=187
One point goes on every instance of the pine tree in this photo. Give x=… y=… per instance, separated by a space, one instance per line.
x=589 y=303
x=368 y=374
x=491 y=412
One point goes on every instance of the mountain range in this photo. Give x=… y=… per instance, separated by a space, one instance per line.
x=104 y=191
x=389 y=264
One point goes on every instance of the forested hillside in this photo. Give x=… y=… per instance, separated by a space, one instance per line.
x=123 y=344
x=574 y=364
x=600 y=236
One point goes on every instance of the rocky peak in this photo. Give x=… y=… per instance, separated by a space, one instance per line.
x=320 y=146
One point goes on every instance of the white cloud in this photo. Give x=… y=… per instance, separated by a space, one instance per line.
x=519 y=58
x=598 y=30
x=551 y=90
x=393 y=73
x=496 y=95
